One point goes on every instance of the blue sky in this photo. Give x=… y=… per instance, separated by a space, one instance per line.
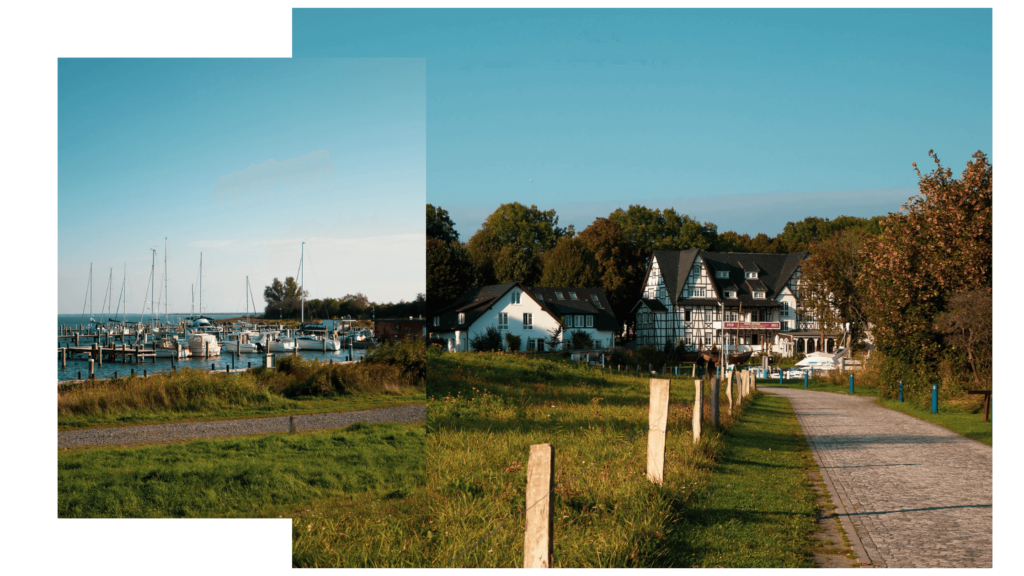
x=241 y=160
x=747 y=118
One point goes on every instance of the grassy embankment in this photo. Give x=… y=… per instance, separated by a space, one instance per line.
x=740 y=497
x=392 y=375
x=960 y=413
x=352 y=493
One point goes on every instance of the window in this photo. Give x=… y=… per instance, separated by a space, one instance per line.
x=758 y=294
x=753 y=340
x=559 y=295
x=597 y=301
x=539 y=296
x=751 y=275
x=697 y=292
x=686 y=316
x=579 y=321
x=516 y=297
x=785 y=308
x=567 y=320
x=785 y=325
x=462 y=317
x=730 y=294
x=689 y=340
x=527 y=321
x=707 y=340
x=437 y=320
x=572 y=295
x=722 y=274
x=590 y=321
x=503 y=321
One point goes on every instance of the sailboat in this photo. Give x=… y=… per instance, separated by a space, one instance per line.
x=311 y=342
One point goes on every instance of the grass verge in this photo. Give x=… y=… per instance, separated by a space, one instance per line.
x=392 y=375
x=247 y=477
x=485 y=410
x=965 y=424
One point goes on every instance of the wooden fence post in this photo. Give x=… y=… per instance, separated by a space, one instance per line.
x=657 y=430
x=714 y=400
x=540 y=520
x=728 y=390
x=698 y=409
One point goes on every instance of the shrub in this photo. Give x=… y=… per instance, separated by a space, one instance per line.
x=513 y=342
x=409 y=356
x=488 y=341
x=580 y=340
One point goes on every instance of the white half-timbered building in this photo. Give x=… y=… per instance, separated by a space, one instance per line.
x=532 y=313
x=746 y=301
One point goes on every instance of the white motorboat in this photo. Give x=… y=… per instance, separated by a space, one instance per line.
x=170 y=347
x=316 y=343
x=204 y=345
x=275 y=344
x=241 y=342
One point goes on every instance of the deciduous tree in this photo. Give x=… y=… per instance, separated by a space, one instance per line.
x=570 y=264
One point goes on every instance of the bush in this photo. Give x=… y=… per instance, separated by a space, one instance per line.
x=489 y=341
x=513 y=342
x=580 y=340
x=409 y=356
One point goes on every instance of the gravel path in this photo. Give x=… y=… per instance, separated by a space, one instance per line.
x=917 y=494
x=191 y=430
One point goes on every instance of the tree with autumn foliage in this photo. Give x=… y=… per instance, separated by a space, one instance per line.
x=829 y=291
x=938 y=246
x=620 y=267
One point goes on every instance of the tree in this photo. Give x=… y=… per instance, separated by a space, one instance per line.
x=619 y=267
x=278 y=291
x=940 y=245
x=439 y=225
x=829 y=289
x=647 y=229
x=570 y=264
x=967 y=326
x=799 y=236
x=518 y=235
x=449 y=272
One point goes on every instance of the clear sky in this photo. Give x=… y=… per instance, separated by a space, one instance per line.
x=747 y=118
x=241 y=160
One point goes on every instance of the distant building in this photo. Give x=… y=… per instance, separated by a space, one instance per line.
x=399 y=329
x=534 y=314
x=748 y=301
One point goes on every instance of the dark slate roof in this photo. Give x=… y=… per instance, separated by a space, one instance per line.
x=675 y=267
x=749 y=266
x=473 y=304
x=604 y=318
x=774 y=270
x=654 y=305
x=755 y=285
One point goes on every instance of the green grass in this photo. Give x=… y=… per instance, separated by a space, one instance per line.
x=965 y=424
x=485 y=410
x=391 y=375
x=247 y=477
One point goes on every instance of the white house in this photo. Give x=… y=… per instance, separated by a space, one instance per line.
x=746 y=301
x=534 y=314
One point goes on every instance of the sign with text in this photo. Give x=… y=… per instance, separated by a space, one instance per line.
x=752 y=325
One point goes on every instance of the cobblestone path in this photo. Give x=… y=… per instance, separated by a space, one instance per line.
x=917 y=494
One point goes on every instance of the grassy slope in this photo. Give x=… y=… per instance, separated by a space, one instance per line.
x=274 y=406
x=486 y=410
x=249 y=477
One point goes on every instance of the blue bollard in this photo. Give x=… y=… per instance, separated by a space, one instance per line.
x=780 y=374
x=805 y=380
x=851 y=382
x=935 y=398
x=901 y=390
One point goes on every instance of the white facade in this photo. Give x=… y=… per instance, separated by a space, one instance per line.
x=518 y=313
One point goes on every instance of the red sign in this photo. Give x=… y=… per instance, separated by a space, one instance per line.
x=753 y=325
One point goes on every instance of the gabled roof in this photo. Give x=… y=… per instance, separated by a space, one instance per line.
x=653 y=305
x=675 y=267
x=473 y=304
x=604 y=318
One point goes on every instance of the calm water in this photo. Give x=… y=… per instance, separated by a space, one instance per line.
x=73 y=320
x=164 y=364
x=76 y=367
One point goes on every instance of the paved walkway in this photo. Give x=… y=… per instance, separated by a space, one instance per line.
x=917 y=494
x=191 y=430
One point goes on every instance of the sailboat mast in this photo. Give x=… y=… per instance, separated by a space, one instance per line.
x=200 y=284
x=165 y=278
x=302 y=284
x=110 y=291
x=152 y=286
x=90 y=292
x=247 y=299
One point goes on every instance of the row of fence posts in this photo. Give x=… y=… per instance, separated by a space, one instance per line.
x=540 y=469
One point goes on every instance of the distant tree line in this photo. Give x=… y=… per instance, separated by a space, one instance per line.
x=284 y=302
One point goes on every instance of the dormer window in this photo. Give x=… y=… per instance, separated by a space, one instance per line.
x=437 y=320
x=750 y=275
x=722 y=274
x=572 y=295
x=516 y=297
x=730 y=294
x=559 y=296
x=597 y=302
x=539 y=296
x=758 y=294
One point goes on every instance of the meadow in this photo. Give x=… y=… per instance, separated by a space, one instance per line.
x=739 y=497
